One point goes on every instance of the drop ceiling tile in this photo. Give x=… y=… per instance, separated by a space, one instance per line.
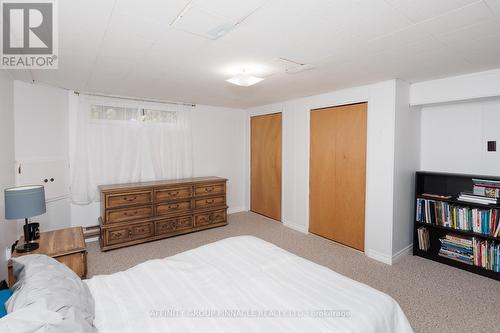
x=398 y=39
x=161 y=11
x=126 y=47
x=88 y=12
x=74 y=70
x=127 y=25
x=471 y=32
x=205 y=24
x=458 y=19
x=419 y=10
x=473 y=49
x=379 y=25
x=494 y=5
x=262 y=32
x=82 y=23
x=109 y=73
x=231 y=9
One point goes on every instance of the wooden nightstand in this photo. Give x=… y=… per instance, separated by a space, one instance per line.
x=65 y=245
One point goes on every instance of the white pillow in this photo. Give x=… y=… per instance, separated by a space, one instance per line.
x=45 y=288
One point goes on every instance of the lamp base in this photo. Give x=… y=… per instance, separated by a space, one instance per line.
x=28 y=247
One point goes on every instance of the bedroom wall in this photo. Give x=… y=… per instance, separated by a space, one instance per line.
x=380 y=187
x=44 y=132
x=456 y=88
x=8 y=229
x=459 y=115
x=454 y=137
x=41 y=131
x=406 y=162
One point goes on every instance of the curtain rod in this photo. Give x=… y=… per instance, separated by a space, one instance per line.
x=139 y=99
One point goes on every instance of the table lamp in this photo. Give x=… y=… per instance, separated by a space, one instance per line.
x=23 y=202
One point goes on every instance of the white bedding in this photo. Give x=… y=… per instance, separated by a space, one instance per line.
x=239 y=284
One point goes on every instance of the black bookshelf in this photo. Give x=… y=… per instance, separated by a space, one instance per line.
x=448 y=184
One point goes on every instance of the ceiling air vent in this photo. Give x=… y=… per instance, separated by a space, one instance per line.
x=214 y=19
x=292 y=66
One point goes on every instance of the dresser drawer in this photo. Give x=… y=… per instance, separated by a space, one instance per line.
x=117 y=235
x=171 y=208
x=128 y=214
x=208 y=189
x=129 y=199
x=210 y=202
x=173 y=193
x=143 y=230
x=171 y=225
x=216 y=216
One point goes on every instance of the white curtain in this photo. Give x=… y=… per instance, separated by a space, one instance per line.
x=121 y=141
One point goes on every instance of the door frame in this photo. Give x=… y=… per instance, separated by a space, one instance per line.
x=249 y=176
x=362 y=101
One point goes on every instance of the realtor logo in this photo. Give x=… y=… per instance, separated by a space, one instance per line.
x=29 y=34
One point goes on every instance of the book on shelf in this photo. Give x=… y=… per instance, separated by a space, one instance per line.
x=423 y=239
x=487 y=188
x=486 y=191
x=474 y=198
x=471 y=251
x=479 y=220
x=436 y=196
x=457 y=248
x=486 y=254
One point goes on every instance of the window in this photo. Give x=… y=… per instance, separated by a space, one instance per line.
x=121 y=141
x=106 y=112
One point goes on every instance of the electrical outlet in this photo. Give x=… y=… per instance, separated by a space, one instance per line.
x=492 y=146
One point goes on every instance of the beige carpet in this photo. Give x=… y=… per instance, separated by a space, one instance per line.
x=435 y=297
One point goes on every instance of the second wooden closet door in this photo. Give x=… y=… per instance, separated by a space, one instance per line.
x=337 y=174
x=265 y=184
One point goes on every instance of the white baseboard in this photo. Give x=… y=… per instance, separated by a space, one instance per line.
x=386 y=259
x=295 y=226
x=400 y=254
x=233 y=210
x=382 y=257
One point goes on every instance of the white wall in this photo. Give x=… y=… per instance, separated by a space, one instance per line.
x=8 y=229
x=219 y=149
x=454 y=137
x=407 y=161
x=45 y=130
x=41 y=139
x=380 y=172
x=456 y=88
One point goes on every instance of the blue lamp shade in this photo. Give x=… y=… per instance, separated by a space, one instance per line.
x=24 y=202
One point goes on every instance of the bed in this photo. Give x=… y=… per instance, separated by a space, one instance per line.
x=239 y=284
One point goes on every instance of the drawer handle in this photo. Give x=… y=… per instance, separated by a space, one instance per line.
x=209 y=201
x=209 y=189
x=116 y=235
x=130 y=233
x=173 y=206
x=173 y=194
x=131 y=214
x=130 y=199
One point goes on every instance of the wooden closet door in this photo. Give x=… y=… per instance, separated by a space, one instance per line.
x=338 y=173
x=265 y=187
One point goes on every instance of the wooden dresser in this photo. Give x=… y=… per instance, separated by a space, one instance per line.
x=140 y=212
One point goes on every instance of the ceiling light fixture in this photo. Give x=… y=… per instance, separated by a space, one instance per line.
x=244 y=79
